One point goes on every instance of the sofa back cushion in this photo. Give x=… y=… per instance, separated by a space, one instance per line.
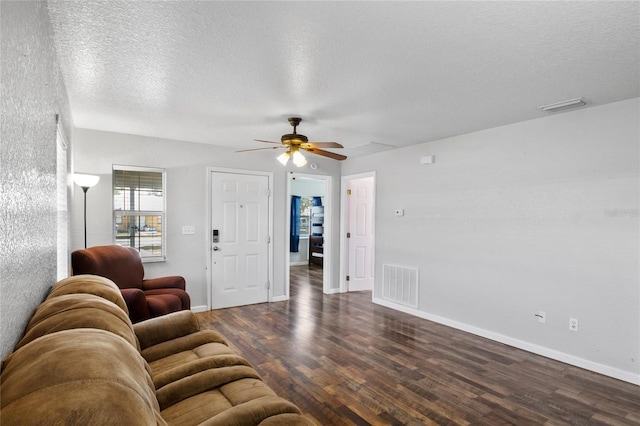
x=120 y=264
x=81 y=377
x=90 y=284
x=71 y=311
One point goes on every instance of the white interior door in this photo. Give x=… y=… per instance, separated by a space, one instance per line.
x=361 y=233
x=239 y=259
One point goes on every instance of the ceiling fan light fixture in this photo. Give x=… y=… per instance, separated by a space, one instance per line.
x=298 y=159
x=294 y=143
x=284 y=158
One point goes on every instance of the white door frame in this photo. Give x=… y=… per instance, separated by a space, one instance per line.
x=209 y=226
x=327 y=266
x=344 y=220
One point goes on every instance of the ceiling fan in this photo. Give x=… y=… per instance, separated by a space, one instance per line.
x=294 y=142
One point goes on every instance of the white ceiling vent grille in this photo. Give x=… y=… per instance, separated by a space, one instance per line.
x=564 y=105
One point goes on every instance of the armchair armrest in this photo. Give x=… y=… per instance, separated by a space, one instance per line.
x=136 y=304
x=164 y=328
x=163 y=282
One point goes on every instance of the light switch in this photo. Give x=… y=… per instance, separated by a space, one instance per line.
x=188 y=230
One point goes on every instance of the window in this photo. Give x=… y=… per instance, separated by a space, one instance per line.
x=305 y=205
x=139 y=210
x=61 y=201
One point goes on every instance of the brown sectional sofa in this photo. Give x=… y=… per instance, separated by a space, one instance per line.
x=82 y=362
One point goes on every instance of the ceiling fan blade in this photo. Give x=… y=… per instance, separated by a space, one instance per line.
x=324 y=145
x=324 y=153
x=260 y=140
x=262 y=149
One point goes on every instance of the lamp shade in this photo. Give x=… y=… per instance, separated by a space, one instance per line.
x=85 y=181
x=298 y=159
x=284 y=158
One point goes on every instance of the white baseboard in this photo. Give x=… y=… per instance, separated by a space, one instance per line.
x=201 y=308
x=304 y=263
x=606 y=370
x=279 y=298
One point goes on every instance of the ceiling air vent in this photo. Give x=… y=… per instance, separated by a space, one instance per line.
x=564 y=105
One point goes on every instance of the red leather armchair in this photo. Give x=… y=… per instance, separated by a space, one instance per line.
x=145 y=298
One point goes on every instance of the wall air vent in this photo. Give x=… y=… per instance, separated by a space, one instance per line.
x=564 y=105
x=400 y=285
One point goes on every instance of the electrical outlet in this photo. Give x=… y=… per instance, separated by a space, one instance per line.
x=573 y=324
x=542 y=317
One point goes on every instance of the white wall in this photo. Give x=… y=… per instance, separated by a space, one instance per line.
x=186 y=164
x=32 y=95
x=306 y=187
x=539 y=215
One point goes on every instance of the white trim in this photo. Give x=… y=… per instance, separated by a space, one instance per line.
x=327 y=266
x=199 y=308
x=287 y=239
x=606 y=370
x=138 y=168
x=282 y=298
x=208 y=226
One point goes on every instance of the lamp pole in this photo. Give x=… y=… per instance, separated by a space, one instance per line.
x=85 y=189
x=85 y=182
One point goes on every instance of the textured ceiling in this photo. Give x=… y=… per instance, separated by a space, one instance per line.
x=366 y=74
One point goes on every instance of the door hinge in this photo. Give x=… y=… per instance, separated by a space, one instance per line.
x=268 y=192
x=268 y=239
x=348 y=192
x=268 y=285
x=348 y=278
x=348 y=234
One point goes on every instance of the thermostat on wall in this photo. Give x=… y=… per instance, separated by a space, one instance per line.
x=428 y=159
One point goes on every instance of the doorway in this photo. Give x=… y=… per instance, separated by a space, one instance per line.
x=308 y=239
x=240 y=224
x=357 y=243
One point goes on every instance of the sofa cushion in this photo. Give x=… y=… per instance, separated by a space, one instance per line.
x=90 y=284
x=214 y=406
x=163 y=304
x=78 y=377
x=165 y=328
x=71 y=311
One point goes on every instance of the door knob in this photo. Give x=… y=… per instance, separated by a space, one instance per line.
x=216 y=248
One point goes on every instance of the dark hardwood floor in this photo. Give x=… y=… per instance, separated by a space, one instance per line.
x=345 y=361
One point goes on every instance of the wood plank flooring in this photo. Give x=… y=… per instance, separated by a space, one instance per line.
x=345 y=361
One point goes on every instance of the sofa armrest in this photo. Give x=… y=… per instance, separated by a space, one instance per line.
x=167 y=327
x=136 y=304
x=164 y=282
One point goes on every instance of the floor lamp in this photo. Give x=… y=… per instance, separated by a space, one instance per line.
x=85 y=182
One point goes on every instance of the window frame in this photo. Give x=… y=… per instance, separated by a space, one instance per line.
x=137 y=213
x=62 y=203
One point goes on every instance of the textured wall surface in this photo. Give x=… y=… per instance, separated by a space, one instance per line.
x=539 y=215
x=32 y=95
